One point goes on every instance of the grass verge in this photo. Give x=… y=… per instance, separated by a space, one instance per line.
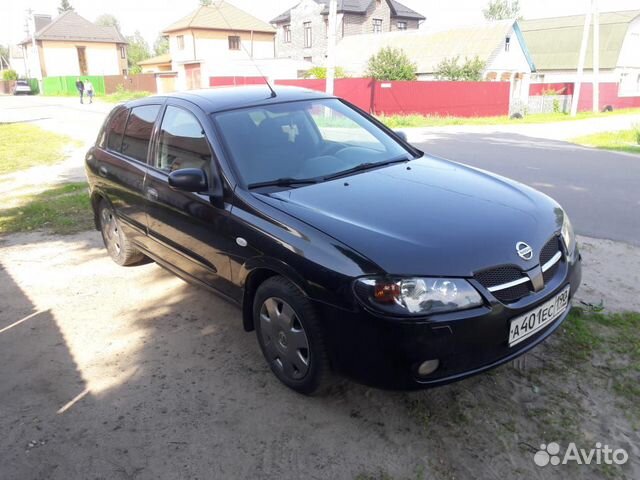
x=409 y=121
x=124 y=96
x=621 y=141
x=61 y=209
x=23 y=146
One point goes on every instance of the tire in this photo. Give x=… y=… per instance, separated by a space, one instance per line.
x=120 y=249
x=290 y=336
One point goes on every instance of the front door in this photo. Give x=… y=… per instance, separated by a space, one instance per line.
x=192 y=71
x=187 y=230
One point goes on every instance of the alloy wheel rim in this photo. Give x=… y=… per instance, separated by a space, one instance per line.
x=111 y=231
x=284 y=338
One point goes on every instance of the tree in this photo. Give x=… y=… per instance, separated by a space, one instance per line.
x=4 y=56
x=137 y=51
x=502 y=10
x=321 y=73
x=108 y=20
x=470 y=71
x=65 y=6
x=161 y=45
x=391 y=64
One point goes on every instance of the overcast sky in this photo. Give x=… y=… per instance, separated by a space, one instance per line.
x=151 y=16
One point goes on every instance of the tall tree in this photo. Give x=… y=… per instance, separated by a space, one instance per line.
x=161 y=45
x=137 y=51
x=391 y=64
x=108 y=20
x=65 y=6
x=502 y=10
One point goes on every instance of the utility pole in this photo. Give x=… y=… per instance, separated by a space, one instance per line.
x=596 y=56
x=331 y=47
x=581 y=59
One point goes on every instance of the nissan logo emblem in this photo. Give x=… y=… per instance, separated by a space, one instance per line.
x=524 y=251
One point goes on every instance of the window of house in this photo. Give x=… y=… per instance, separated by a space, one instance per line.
x=123 y=52
x=308 y=37
x=402 y=25
x=507 y=43
x=182 y=142
x=180 y=40
x=307 y=59
x=234 y=42
x=287 y=33
x=135 y=141
x=377 y=25
x=116 y=130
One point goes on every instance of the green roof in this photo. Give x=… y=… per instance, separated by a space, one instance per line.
x=554 y=43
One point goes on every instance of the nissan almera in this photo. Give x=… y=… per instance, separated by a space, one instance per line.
x=346 y=248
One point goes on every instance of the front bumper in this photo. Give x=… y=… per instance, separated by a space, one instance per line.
x=386 y=353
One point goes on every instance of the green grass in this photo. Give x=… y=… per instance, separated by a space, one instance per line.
x=23 y=146
x=408 y=121
x=620 y=141
x=124 y=96
x=61 y=209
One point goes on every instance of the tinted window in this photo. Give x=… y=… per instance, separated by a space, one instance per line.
x=116 y=130
x=138 y=132
x=182 y=142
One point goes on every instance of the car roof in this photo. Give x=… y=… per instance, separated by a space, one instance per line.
x=219 y=99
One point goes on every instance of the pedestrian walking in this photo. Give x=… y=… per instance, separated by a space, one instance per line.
x=88 y=87
x=80 y=87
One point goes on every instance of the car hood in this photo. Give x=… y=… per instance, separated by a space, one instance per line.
x=427 y=217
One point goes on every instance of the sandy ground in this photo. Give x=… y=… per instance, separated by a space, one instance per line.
x=109 y=372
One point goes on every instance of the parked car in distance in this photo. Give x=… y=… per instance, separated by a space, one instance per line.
x=21 y=86
x=347 y=249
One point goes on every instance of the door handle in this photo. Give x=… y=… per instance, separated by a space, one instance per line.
x=152 y=193
x=103 y=171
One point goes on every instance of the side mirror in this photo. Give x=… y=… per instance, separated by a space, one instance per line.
x=189 y=180
x=402 y=135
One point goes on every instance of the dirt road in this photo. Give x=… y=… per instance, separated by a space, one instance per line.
x=110 y=372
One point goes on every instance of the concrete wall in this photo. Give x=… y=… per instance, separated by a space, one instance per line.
x=61 y=58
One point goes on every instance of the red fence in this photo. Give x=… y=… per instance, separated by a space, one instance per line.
x=355 y=90
x=228 y=81
x=608 y=94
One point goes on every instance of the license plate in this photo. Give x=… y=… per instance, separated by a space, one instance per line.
x=524 y=326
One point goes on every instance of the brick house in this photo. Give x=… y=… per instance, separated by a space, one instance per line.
x=302 y=31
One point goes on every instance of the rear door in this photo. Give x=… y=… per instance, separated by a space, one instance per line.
x=188 y=230
x=122 y=165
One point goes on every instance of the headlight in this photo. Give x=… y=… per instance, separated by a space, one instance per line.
x=568 y=236
x=417 y=296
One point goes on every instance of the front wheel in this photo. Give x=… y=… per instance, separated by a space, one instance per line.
x=289 y=334
x=120 y=249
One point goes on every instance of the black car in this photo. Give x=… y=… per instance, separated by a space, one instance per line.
x=346 y=248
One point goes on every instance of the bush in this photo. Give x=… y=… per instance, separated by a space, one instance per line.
x=470 y=71
x=636 y=132
x=321 y=73
x=391 y=64
x=10 y=75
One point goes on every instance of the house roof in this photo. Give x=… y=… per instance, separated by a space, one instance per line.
x=159 y=59
x=220 y=16
x=398 y=10
x=554 y=43
x=427 y=49
x=71 y=27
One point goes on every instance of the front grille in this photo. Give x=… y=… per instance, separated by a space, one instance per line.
x=501 y=275
x=548 y=251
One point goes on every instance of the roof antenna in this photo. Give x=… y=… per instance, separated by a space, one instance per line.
x=264 y=77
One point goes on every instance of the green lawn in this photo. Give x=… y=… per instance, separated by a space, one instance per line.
x=408 y=121
x=61 y=209
x=23 y=146
x=123 y=96
x=620 y=141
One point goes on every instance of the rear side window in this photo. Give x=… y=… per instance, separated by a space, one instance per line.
x=137 y=135
x=116 y=130
x=182 y=142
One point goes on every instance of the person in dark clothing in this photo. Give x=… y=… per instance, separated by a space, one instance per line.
x=80 y=87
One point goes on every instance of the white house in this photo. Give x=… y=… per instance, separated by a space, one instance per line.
x=498 y=44
x=203 y=43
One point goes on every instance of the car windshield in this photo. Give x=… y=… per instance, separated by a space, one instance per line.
x=293 y=143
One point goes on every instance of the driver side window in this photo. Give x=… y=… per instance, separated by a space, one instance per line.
x=182 y=142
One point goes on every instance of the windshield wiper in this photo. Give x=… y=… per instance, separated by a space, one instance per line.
x=283 y=182
x=366 y=166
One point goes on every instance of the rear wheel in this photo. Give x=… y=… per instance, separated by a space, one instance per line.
x=120 y=249
x=289 y=334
